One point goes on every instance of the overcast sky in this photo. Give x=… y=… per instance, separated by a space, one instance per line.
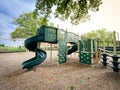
x=107 y=17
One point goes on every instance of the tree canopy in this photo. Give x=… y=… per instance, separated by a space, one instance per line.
x=102 y=35
x=27 y=23
x=75 y=10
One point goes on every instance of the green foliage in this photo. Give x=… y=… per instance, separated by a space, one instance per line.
x=52 y=24
x=27 y=23
x=12 y=49
x=75 y=10
x=102 y=35
x=2 y=45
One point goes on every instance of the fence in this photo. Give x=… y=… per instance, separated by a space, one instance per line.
x=11 y=45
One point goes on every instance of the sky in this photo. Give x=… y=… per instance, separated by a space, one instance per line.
x=11 y=9
x=107 y=17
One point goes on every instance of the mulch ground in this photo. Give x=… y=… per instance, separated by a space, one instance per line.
x=71 y=75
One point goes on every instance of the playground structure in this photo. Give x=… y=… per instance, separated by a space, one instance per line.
x=113 y=53
x=86 y=48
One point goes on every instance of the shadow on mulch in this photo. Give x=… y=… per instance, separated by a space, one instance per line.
x=112 y=75
x=17 y=73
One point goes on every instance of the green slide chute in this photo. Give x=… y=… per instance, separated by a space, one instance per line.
x=43 y=34
x=31 y=44
x=72 y=49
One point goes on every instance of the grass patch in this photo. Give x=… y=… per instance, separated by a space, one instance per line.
x=12 y=49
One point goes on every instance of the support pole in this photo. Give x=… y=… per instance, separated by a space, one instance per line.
x=91 y=42
x=58 y=46
x=46 y=46
x=38 y=46
x=103 y=46
x=84 y=42
x=51 y=51
x=118 y=40
x=96 y=51
x=66 y=44
x=78 y=46
x=114 y=34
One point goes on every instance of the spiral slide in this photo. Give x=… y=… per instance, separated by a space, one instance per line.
x=31 y=44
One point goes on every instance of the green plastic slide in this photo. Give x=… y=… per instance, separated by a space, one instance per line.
x=43 y=34
x=31 y=44
x=72 y=49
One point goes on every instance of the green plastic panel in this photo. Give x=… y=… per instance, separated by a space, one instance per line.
x=88 y=45
x=50 y=34
x=85 y=58
x=80 y=46
x=62 y=46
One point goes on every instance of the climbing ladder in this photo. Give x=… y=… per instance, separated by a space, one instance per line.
x=86 y=50
x=62 y=47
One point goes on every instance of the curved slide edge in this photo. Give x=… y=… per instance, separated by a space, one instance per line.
x=38 y=59
x=72 y=49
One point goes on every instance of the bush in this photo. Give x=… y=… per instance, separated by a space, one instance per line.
x=2 y=45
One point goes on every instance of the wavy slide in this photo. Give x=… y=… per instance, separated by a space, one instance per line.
x=31 y=44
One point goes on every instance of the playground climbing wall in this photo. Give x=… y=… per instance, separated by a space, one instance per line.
x=85 y=51
x=62 y=47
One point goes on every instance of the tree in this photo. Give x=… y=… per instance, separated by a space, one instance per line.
x=27 y=23
x=102 y=35
x=75 y=10
x=91 y=35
